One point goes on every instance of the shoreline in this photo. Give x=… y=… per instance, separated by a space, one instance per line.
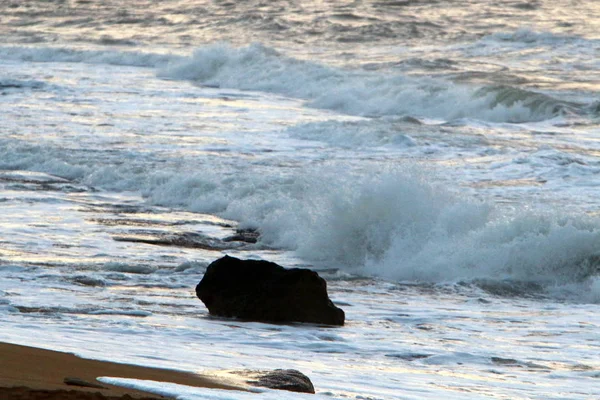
x=31 y=373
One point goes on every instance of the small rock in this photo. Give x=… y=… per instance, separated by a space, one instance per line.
x=244 y=235
x=283 y=379
x=80 y=382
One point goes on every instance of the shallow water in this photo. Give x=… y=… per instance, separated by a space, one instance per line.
x=436 y=162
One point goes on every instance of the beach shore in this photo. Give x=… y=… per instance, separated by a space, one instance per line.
x=29 y=373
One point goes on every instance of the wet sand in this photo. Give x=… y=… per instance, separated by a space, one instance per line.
x=28 y=373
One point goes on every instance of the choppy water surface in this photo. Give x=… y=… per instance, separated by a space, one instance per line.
x=436 y=162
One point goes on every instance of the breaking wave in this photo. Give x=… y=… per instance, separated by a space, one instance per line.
x=357 y=92
x=392 y=223
x=398 y=226
x=353 y=92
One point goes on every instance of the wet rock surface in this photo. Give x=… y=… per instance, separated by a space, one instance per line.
x=190 y=240
x=283 y=379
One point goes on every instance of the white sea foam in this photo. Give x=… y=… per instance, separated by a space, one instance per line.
x=399 y=226
x=183 y=392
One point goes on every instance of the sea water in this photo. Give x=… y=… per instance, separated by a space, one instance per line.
x=436 y=162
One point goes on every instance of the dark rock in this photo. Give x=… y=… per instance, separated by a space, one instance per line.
x=408 y=356
x=264 y=291
x=282 y=379
x=184 y=239
x=80 y=382
x=87 y=281
x=504 y=361
x=244 y=235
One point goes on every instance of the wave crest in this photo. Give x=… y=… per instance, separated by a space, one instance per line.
x=357 y=92
x=398 y=226
x=354 y=92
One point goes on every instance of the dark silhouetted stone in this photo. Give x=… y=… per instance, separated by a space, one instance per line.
x=264 y=291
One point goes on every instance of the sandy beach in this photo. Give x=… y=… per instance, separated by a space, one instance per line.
x=30 y=373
